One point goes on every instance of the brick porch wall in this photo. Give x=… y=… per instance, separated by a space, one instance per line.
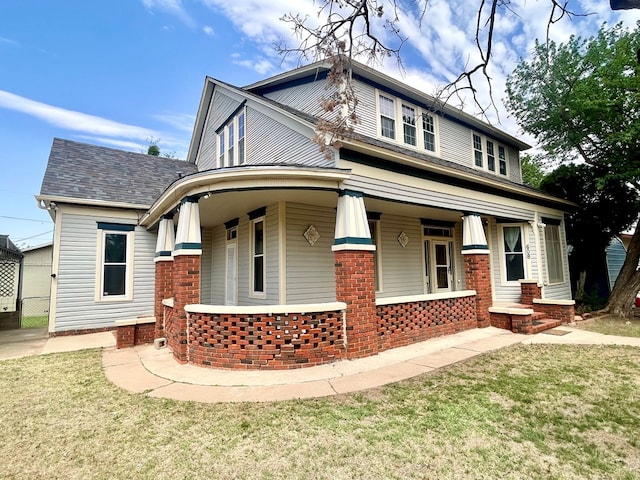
x=355 y=286
x=529 y=291
x=265 y=341
x=478 y=277
x=406 y=323
x=131 y=335
x=563 y=313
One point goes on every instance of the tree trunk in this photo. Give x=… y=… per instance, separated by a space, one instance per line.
x=622 y=298
x=580 y=286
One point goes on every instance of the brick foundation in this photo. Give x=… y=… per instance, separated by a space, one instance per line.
x=406 y=323
x=355 y=286
x=163 y=290
x=562 y=313
x=478 y=277
x=82 y=331
x=265 y=341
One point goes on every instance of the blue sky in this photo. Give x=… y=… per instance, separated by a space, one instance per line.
x=119 y=72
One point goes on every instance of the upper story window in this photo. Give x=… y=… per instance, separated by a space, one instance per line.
x=231 y=141
x=387 y=117
x=485 y=152
x=419 y=126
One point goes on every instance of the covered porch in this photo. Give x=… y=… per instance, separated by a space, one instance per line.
x=283 y=269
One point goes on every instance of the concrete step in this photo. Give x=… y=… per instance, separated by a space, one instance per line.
x=540 y=325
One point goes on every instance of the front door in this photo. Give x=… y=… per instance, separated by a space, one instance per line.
x=231 y=282
x=442 y=266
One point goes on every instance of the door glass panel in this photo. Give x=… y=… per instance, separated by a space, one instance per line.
x=442 y=265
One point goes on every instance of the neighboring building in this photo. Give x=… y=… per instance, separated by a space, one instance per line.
x=36 y=280
x=418 y=225
x=10 y=282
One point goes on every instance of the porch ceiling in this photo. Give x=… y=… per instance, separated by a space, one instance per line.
x=222 y=207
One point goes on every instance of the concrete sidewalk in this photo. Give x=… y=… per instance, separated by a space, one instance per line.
x=155 y=372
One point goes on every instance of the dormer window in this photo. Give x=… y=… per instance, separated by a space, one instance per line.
x=419 y=126
x=485 y=151
x=231 y=141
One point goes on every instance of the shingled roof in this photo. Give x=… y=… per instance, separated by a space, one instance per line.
x=90 y=172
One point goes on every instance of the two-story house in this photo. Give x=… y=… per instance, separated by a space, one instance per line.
x=270 y=254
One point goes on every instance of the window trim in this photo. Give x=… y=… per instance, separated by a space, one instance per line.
x=503 y=258
x=252 y=292
x=129 y=233
x=398 y=119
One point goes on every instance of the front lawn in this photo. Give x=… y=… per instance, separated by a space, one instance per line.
x=525 y=412
x=613 y=325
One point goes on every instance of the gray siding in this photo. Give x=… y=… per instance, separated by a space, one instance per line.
x=218 y=264
x=366 y=110
x=272 y=266
x=305 y=97
x=219 y=110
x=455 y=142
x=402 y=268
x=270 y=142
x=616 y=253
x=310 y=269
x=458 y=260
x=514 y=171
x=424 y=196
x=76 y=276
x=206 y=263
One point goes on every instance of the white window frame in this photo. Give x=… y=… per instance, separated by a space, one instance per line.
x=399 y=124
x=560 y=255
x=497 y=148
x=374 y=230
x=252 y=255
x=503 y=259
x=100 y=264
x=229 y=142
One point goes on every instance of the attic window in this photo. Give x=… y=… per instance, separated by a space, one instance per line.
x=231 y=141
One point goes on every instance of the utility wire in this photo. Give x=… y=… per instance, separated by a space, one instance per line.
x=25 y=219
x=33 y=236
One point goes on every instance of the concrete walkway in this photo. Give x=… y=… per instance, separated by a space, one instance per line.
x=155 y=373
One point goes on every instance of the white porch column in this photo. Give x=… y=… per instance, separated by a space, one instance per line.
x=166 y=239
x=473 y=238
x=188 y=240
x=352 y=227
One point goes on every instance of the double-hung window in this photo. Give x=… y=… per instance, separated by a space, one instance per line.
x=513 y=248
x=231 y=141
x=374 y=230
x=115 y=263
x=387 y=117
x=257 y=250
x=502 y=158
x=429 y=132
x=477 y=150
x=409 y=125
x=491 y=157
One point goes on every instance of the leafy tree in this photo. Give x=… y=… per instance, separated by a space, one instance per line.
x=532 y=168
x=581 y=100
x=153 y=150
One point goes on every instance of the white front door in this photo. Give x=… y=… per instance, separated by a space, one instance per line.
x=441 y=281
x=231 y=282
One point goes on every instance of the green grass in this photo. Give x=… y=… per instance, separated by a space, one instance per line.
x=612 y=325
x=40 y=321
x=526 y=412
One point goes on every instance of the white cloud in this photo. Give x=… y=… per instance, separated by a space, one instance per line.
x=73 y=120
x=9 y=41
x=172 y=7
x=180 y=121
x=260 y=65
x=208 y=30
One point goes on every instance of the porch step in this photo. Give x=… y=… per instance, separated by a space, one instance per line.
x=542 y=324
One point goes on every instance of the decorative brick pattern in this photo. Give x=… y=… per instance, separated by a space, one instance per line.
x=163 y=290
x=355 y=286
x=478 y=277
x=186 y=290
x=529 y=291
x=407 y=323
x=265 y=342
